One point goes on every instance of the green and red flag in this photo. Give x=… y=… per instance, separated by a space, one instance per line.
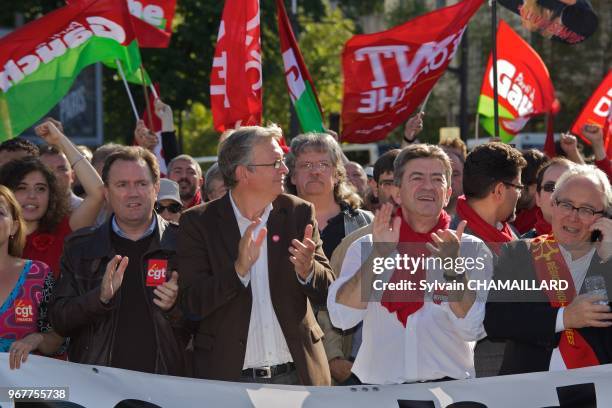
x=523 y=83
x=299 y=83
x=40 y=61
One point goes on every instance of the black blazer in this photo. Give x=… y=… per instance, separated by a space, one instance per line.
x=529 y=327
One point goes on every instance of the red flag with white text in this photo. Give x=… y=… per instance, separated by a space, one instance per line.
x=387 y=75
x=597 y=110
x=235 y=79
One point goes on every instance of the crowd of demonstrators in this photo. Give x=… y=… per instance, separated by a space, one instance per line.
x=318 y=175
x=252 y=269
x=99 y=301
x=45 y=204
x=188 y=174
x=214 y=187
x=542 y=335
x=25 y=286
x=243 y=290
x=423 y=340
x=526 y=208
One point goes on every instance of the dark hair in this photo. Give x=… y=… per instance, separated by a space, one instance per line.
x=18 y=239
x=384 y=164
x=535 y=160
x=102 y=152
x=18 y=143
x=13 y=173
x=421 y=151
x=489 y=164
x=134 y=154
x=556 y=161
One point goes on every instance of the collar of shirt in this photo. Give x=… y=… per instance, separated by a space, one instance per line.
x=117 y=230
x=242 y=220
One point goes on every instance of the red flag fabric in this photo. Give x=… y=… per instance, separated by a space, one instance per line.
x=523 y=82
x=596 y=111
x=152 y=21
x=154 y=124
x=388 y=74
x=235 y=79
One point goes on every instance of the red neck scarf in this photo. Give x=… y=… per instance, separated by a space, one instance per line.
x=542 y=226
x=197 y=199
x=550 y=266
x=401 y=303
x=482 y=229
x=526 y=219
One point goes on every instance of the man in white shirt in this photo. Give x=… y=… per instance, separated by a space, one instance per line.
x=550 y=329
x=409 y=336
x=252 y=268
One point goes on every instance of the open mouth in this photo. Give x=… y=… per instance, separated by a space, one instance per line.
x=133 y=205
x=571 y=230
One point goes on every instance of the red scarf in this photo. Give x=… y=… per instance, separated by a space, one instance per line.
x=482 y=229
x=542 y=226
x=550 y=266
x=397 y=302
x=197 y=199
x=526 y=219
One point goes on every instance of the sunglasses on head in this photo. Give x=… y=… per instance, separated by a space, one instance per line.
x=174 y=208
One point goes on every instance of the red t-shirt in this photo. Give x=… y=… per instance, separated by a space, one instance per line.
x=47 y=247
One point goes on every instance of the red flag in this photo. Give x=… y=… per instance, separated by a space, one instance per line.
x=388 y=74
x=235 y=79
x=596 y=111
x=152 y=21
x=523 y=83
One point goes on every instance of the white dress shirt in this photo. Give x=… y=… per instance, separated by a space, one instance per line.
x=434 y=344
x=578 y=269
x=266 y=344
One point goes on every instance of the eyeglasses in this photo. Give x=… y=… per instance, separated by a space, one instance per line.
x=174 y=208
x=278 y=163
x=549 y=187
x=584 y=213
x=320 y=166
x=519 y=187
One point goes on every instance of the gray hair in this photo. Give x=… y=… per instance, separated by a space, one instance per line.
x=237 y=148
x=213 y=173
x=188 y=158
x=323 y=143
x=592 y=173
x=420 y=151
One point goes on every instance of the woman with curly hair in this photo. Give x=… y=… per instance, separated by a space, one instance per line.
x=25 y=289
x=44 y=206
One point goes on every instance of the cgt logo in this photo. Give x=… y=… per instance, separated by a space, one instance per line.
x=24 y=311
x=156 y=271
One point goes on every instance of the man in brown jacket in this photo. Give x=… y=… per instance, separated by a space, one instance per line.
x=251 y=269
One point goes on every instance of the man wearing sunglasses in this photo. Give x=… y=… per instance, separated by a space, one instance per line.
x=545 y=185
x=169 y=204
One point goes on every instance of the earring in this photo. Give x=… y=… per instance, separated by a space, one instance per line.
x=11 y=236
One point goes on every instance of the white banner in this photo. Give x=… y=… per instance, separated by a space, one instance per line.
x=95 y=386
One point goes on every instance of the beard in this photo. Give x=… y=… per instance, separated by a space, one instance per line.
x=189 y=193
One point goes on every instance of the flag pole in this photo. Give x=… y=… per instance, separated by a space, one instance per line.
x=153 y=91
x=477 y=123
x=147 y=101
x=493 y=4
x=127 y=88
x=424 y=104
